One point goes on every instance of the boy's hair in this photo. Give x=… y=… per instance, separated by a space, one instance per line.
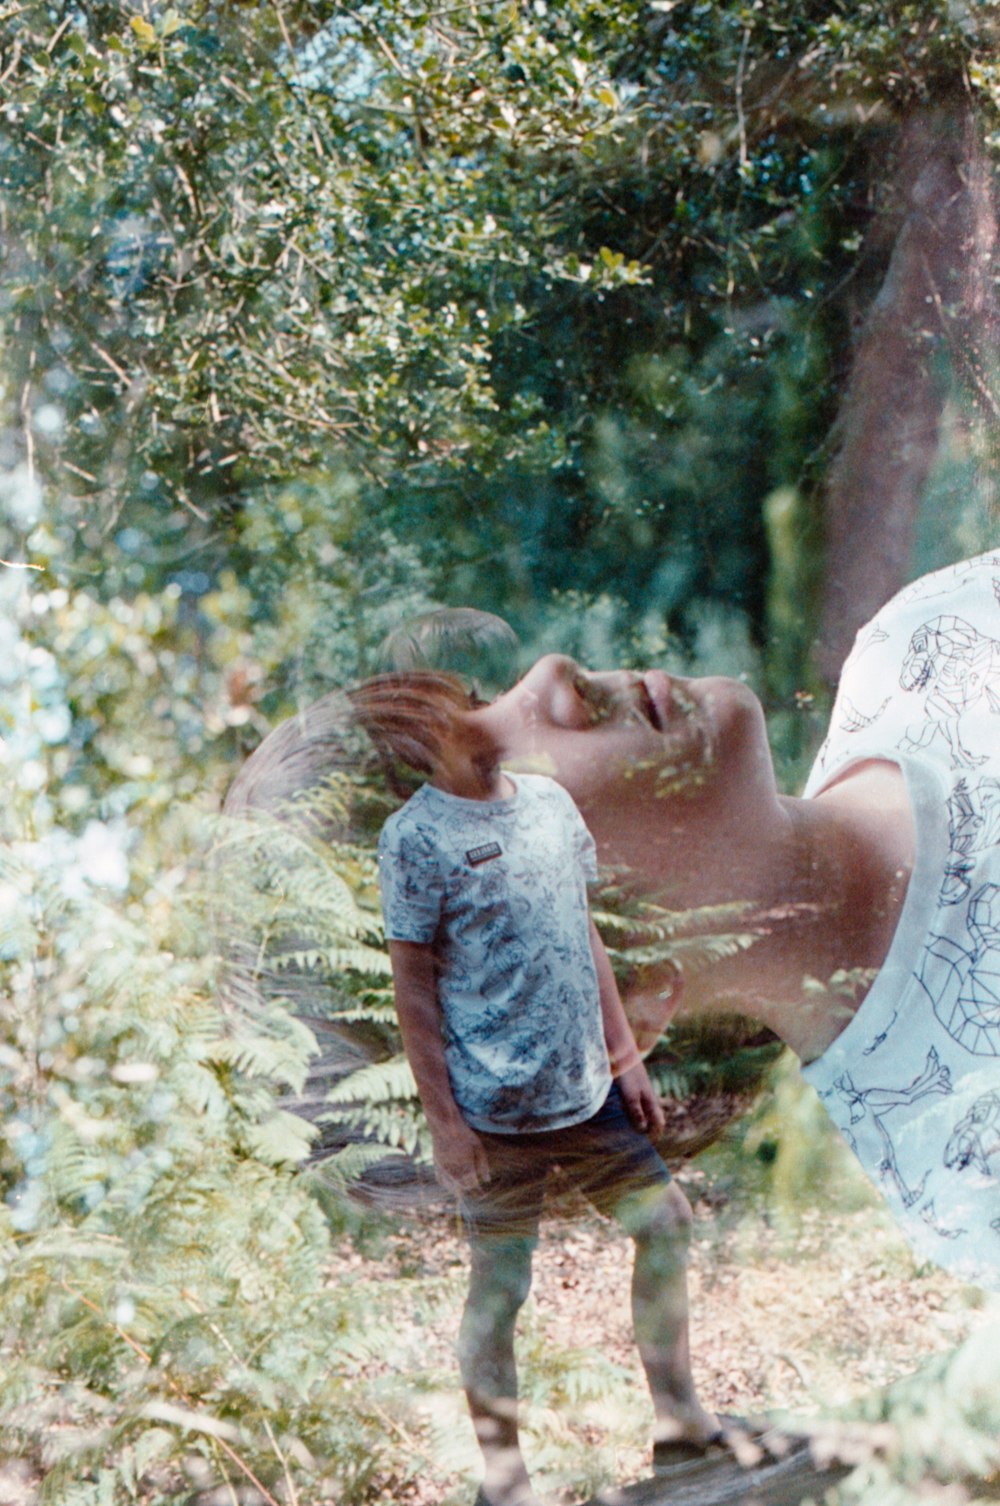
x=407 y=714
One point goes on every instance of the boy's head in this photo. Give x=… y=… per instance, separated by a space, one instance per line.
x=413 y=716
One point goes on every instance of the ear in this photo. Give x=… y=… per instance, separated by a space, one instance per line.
x=651 y=1004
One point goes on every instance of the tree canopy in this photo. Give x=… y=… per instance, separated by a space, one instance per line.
x=535 y=278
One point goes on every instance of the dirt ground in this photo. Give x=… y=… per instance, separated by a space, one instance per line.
x=787 y=1321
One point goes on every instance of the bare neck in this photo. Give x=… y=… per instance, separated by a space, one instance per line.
x=472 y=780
x=833 y=879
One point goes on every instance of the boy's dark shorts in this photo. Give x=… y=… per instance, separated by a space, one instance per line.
x=606 y=1158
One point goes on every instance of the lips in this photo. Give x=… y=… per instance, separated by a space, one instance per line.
x=657 y=702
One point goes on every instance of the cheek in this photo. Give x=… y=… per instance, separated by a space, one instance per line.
x=623 y=775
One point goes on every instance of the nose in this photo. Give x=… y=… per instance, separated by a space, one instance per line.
x=612 y=681
x=560 y=664
x=608 y=693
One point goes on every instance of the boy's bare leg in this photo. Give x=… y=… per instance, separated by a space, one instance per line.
x=660 y=1224
x=498 y=1286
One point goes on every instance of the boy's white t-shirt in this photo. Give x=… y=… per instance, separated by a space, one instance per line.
x=499 y=889
x=913 y=1081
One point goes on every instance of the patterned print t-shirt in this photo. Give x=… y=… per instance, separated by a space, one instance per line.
x=499 y=888
x=913 y=1082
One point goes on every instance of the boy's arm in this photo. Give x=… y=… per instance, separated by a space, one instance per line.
x=640 y=1098
x=459 y=1156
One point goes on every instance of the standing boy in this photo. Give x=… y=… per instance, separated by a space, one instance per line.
x=521 y=1051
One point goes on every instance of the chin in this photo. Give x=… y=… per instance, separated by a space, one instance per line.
x=721 y=689
x=727 y=702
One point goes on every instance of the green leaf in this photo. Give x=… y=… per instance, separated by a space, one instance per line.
x=381 y=1082
x=144 y=31
x=282 y=1138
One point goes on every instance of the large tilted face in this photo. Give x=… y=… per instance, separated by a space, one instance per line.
x=604 y=730
x=646 y=755
x=674 y=779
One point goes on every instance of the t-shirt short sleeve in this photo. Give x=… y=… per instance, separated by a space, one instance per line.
x=584 y=849
x=497 y=888
x=410 y=884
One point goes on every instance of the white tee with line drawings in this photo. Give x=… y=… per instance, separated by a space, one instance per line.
x=499 y=888
x=913 y=1081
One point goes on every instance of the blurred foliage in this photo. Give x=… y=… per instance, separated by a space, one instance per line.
x=933 y=1435
x=168 y=1323
x=534 y=286
x=316 y=316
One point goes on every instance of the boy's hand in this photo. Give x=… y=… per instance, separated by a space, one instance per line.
x=641 y=1101
x=460 y=1158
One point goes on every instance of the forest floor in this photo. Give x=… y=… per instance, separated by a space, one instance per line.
x=793 y=1317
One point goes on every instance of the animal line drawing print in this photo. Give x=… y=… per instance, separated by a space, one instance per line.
x=959 y=668
x=963 y=983
x=878 y=1102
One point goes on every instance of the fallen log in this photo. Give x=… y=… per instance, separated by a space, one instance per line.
x=781 y=1466
x=720 y=1480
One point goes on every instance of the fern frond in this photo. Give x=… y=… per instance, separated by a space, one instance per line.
x=677 y=1081
x=381 y=1011
x=398 y=1126
x=651 y=922
x=383 y=1082
x=284 y=1138
x=335 y=959
x=689 y=953
x=266 y=848
x=347 y=1166
x=283 y=1058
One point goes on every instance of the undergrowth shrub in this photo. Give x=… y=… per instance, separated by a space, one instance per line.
x=167 y=1319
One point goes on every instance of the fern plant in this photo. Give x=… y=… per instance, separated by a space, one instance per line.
x=709 y=1069
x=932 y=1436
x=167 y=1317
x=301 y=931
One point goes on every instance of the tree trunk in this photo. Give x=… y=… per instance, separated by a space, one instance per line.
x=936 y=299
